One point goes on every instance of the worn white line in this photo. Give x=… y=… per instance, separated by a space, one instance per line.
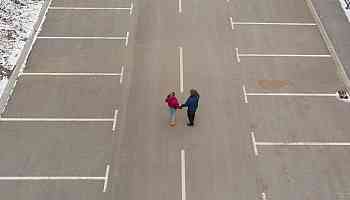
x=88 y=8
x=127 y=39
x=115 y=120
x=252 y=135
x=180 y=6
x=274 y=23
x=38 y=178
x=67 y=74
x=181 y=70
x=263 y=196
x=57 y=119
x=232 y=24
x=183 y=175
x=284 y=55
x=105 y=184
x=131 y=8
x=245 y=94
x=121 y=75
x=82 y=38
x=237 y=55
x=294 y=94
x=303 y=143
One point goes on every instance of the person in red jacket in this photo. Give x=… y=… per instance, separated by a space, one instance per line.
x=173 y=104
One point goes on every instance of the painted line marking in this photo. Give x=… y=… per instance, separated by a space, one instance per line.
x=58 y=178
x=181 y=70
x=272 y=23
x=105 y=184
x=131 y=8
x=263 y=196
x=121 y=75
x=115 y=120
x=56 y=119
x=127 y=39
x=237 y=55
x=293 y=94
x=83 y=38
x=284 y=55
x=245 y=94
x=180 y=6
x=183 y=175
x=67 y=74
x=88 y=8
x=303 y=143
x=252 y=135
x=232 y=24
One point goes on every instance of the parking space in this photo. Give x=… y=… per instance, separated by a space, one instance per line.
x=92 y=3
x=83 y=97
x=276 y=39
x=275 y=74
x=77 y=56
x=270 y=11
x=305 y=173
x=73 y=23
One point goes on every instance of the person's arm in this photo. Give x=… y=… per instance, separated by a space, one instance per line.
x=186 y=103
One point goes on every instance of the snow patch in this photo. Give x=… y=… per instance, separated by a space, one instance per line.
x=17 y=20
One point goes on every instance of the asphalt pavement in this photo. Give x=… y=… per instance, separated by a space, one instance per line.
x=88 y=119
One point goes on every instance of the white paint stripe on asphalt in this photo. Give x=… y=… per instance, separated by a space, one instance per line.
x=183 y=175
x=115 y=120
x=38 y=178
x=293 y=94
x=82 y=38
x=121 y=75
x=131 y=8
x=252 y=135
x=67 y=74
x=303 y=143
x=245 y=94
x=88 y=8
x=284 y=55
x=263 y=196
x=231 y=22
x=180 y=6
x=127 y=39
x=181 y=70
x=237 y=55
x=273 y=23
x=105 y=184
x=56 y=119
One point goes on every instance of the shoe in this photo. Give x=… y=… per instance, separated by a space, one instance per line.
x=190 y=124
x=172 y=124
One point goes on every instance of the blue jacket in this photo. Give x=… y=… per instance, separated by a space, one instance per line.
x=191 y=103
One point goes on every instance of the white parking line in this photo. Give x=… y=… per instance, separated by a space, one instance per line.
x=67 y=74
x=121 y=75
x=263 y=196
x=88 y=8
x=82 y=38
x=183 y=175
x=252 y=135
x=131 y=8
x=269 y=23
x=181 y=69
x=59 y=178
x=238 y=55
x=127 y=39
x=246 y=94
x=115 y=120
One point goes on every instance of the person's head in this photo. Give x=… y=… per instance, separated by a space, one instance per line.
x=194 y=92
x=172 y=94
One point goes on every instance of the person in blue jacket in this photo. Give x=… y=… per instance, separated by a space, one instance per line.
x=192 y=105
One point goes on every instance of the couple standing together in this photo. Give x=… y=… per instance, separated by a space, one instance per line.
x=191 y=104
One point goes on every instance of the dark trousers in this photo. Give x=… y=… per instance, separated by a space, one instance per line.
x=191 y=116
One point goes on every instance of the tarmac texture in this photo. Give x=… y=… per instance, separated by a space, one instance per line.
x=88 y=119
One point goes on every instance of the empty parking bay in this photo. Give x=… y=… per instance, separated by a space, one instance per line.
x=64 y=97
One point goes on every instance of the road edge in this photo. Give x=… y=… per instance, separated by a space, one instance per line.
x=341 y=73
x=21 y=62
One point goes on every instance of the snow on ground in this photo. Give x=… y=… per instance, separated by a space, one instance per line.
x=17 y=19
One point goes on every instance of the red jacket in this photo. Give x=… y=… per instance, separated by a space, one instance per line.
x=172 y=102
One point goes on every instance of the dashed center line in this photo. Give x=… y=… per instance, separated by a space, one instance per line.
x=183 y=175
x=181 y=69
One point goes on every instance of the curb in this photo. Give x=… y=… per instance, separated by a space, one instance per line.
x=340 y=68
x=22 y=60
